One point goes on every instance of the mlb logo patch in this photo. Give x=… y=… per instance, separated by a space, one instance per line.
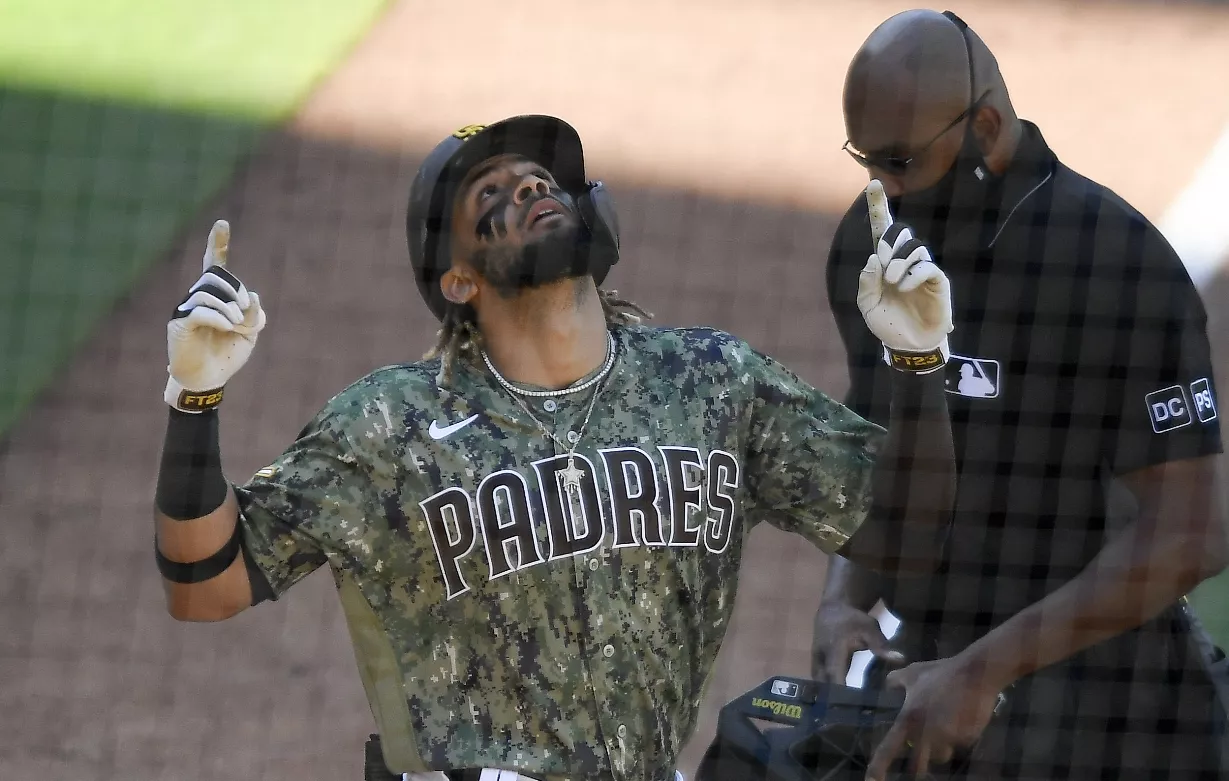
x=977 y=378
x=1168 y=409
x=1203 y=400
x=785 y=688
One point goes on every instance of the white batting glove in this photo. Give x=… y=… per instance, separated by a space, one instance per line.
x=212 y=332
x=904 y=297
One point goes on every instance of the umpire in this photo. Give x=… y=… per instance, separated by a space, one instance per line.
x=1080 y=367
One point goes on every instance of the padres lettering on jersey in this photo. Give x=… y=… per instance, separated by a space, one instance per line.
x=537 y=625
x=500 y=517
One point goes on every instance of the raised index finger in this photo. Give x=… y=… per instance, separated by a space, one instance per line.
x=218 y=247
x=881 y=215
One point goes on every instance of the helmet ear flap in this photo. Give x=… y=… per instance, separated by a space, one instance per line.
x=598 y=212
x=600 y=215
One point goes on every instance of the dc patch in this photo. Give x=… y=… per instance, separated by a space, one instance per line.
x=1168 y=409
x=974 y=377
x=1204 y=400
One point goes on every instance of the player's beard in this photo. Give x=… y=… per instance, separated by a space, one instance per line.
x=556 y=256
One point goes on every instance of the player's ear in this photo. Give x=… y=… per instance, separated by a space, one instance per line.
x=458 y=285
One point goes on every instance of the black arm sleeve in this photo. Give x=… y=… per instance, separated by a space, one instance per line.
x=190 y=479
x=870 y=391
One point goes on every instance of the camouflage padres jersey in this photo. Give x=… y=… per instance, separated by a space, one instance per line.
x=503 y=619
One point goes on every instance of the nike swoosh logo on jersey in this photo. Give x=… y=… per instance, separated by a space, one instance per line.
x=439 y=432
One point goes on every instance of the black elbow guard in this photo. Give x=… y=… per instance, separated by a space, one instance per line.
x=204 y=569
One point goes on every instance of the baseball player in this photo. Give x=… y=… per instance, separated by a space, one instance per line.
x=535 y=531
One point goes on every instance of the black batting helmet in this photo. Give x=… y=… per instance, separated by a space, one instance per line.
x=548 y=141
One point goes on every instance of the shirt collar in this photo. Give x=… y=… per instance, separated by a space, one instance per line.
x=1032 y=166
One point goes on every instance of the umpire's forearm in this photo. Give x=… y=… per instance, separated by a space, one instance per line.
x=914 y=484
x=1140 y=573
x=846 y=583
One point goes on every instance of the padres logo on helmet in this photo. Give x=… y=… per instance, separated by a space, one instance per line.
x=469 y=130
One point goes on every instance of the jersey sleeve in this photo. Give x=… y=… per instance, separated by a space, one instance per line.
x=301 y=511
x=1157 y=386
x=810 y=458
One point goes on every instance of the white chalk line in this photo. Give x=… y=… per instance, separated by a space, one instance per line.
x=1196 y=223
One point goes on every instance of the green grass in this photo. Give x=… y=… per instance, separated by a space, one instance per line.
x=253 y=58
x=119 y=120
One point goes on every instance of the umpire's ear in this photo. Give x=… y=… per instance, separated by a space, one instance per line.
x=458 y=285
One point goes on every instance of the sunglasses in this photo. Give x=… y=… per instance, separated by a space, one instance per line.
x=897 y=165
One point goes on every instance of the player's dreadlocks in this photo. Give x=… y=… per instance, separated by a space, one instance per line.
x=459 y=336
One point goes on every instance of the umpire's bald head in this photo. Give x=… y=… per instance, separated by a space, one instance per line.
x=906 y=89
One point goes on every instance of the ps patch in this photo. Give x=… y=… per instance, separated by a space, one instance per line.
x=1168 y=409
x=1204 y=400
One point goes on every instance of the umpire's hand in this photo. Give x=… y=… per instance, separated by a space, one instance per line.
x=840 y=630
x=213 y=331
x=948 y=705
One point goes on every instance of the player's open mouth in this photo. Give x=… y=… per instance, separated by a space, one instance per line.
x=543 y=210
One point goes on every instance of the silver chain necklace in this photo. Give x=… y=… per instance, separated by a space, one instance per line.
x=589 y=383
x=571 y=475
